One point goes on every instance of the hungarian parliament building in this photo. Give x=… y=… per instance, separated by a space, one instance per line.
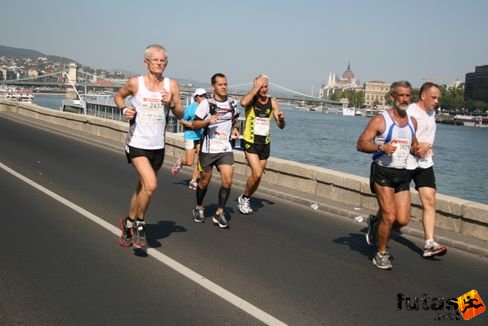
x=374 y=91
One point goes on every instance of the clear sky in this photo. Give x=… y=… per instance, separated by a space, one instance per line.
x=296 y=43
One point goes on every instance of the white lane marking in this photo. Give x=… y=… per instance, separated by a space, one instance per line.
x=168 y=261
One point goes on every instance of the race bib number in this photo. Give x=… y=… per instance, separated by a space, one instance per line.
x=261 y=126
x=219 y=142
x=151 y=110
x=402 y=151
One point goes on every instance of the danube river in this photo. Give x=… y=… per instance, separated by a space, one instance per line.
x=329 y=141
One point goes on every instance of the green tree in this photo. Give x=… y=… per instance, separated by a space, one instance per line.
x=355 y=99
x=452 y=98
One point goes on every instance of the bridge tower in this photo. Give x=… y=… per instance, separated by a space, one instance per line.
x=70 y=92
x=72 y=71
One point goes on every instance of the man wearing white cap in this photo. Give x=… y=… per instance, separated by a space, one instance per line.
x=192 y=137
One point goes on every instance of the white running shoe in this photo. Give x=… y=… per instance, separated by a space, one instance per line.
x=244 y=205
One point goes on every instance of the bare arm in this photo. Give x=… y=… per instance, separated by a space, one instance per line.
x=174 y=99
x=247 y=99
x=205 y=121
x=415 y=144
x=199 y=123
x=365 y=142
x=129 y=88
x=186 y=124
x=279 y=115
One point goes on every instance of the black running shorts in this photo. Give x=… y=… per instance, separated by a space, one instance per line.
x=262 y=150
x=424 y=177
x=155 y=156
x=399 y=179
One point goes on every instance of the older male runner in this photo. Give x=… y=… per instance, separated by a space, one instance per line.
x=391 y=137
x=260 y=108
x=153 y=96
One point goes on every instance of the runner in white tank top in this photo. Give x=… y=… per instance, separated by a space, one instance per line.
x=153 y=97
x=390 y=136
x=147 y=130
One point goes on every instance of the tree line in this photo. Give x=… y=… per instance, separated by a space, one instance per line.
x=452 y=99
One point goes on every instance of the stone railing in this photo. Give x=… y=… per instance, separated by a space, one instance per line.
x=453 y=214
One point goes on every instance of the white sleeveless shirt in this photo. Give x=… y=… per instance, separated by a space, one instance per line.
x=401 y=137
x=147 y=129
x=425 y=133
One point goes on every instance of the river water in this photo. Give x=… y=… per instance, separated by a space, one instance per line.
x=329 y=141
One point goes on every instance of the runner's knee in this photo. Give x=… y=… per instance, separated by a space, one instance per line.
x=150 y=187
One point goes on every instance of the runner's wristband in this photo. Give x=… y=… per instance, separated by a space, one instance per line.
x=124 y=110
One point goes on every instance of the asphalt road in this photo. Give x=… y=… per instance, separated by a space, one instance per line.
x=286 y=262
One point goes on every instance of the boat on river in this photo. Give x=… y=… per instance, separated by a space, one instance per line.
x=349 y=111
x=18 y=95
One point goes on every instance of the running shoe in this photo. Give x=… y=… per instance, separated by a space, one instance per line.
x=372 y=226
x=193 y=184
x=382 y=260
x=432 y=249
x=220 y=220
x=198 y=215
x=125 y=239
x=176 y=167
x=139 y=236
x=244 y=205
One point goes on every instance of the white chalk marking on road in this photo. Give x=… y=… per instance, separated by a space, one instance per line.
x=168 y=261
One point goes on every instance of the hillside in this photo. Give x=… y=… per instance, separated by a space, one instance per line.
x=8 y=51
x=19 y=53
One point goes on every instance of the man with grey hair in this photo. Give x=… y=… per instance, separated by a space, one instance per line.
x=390 y=136
x=260 y=109
x=153 y=96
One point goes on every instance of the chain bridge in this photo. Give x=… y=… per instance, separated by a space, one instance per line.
x=85 y=82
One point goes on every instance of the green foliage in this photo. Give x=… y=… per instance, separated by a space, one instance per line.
x=452 y=98
x=355 y=99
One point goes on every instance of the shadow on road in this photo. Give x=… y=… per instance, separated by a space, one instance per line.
x=161 y=230
x=396 y=235
x=229 y=210
x=258 y=203
x=356 y=242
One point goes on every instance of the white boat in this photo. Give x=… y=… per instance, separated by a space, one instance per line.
x=100 y=101
x=73 y=106
x=372 y=112
x=350 y=112
x=26 y=96
x=360 y=113
x=18 y=95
